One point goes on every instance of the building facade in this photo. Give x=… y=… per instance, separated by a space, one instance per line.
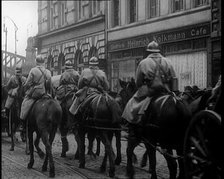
x=73 y=30
x=181 y=27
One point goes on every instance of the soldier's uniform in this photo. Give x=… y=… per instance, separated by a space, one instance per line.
x=154 y=75
x=35 y=85
x=91 y=80
x=68 y=81
x=12 y=86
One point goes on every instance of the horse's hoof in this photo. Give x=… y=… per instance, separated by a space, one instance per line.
x=63 y=155
x=11 y=149
x=81 y=165
x=52 y=175
x=117 y=161
x=30 y=165
x=111 y=174
x=97 y=153
x=44 y=168
x=102 y=169
x=27 y=152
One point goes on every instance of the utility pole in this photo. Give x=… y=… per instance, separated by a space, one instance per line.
x=6 y=31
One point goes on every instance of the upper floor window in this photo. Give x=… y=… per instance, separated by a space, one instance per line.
x=200 y=2
x=63 y=13
x=177 y=5
x=153 y=8
x=95 y=6
x=116 y=13
x=133 y=11
x=83 y=9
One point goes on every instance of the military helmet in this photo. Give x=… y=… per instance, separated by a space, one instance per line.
x=153 y=47
x=68 y=64
x=93 y=61
x=39 y=59
x=18 y=70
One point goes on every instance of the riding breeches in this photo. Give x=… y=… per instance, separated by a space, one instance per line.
x=25 y=107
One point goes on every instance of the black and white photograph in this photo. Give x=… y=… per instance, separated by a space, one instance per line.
x=111 y=89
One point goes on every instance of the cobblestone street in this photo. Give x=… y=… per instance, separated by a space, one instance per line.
x=14 y=162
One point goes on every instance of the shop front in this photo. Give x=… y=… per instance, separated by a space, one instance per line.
x=78 y=50
x=186 y=47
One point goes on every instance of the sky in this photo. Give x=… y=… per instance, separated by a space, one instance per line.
x=24 y=14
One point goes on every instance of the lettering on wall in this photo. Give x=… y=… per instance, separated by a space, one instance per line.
x=162 y=37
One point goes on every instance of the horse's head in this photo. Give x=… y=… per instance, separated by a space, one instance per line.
x=128 y=89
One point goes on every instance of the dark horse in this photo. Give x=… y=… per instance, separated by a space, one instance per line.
x=44 y=119
x=14 y=114
x=164 y=123
x=97 y=119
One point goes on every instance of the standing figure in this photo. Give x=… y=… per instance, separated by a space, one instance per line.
x=153 y=67
x=38 y=80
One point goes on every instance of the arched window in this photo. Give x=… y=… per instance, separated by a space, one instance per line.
x=93 y=52
x=49 y=62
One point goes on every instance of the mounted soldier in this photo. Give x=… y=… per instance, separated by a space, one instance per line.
x=92 y=82
x=155 y=68
x=68 y=81
x=12 y=86
x=37 y=84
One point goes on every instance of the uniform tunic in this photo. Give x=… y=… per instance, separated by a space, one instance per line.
x=11 y=86
x=150 y=69
x=34 y=79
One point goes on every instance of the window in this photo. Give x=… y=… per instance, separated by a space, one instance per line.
x=83 y=9
x=116 y=12
x=95 y=6
x=177 y=5
x=133 y=9
x=200 y=2
x=153 y=8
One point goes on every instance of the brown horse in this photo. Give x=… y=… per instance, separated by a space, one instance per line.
x=96 y=118
x=164 y=123
x=44 y=119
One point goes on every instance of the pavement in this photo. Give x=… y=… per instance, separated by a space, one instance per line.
x=12 y=170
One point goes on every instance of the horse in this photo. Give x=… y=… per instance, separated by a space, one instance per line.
x=164 y=123
x=14 y=114
x=44 y=118
x=96 y=118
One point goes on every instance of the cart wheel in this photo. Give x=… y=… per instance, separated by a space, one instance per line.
x=202 y=146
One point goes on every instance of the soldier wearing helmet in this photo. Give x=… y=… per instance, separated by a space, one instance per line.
x=68 y=81
x=91 y=79
x=39 y=77
x=12 y=86
x=154 y=75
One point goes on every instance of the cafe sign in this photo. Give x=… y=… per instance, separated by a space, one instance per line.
x=164 y=37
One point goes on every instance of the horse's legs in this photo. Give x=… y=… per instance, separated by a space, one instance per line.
x=106 y=138
x=36 y=144
x=64 y=132
x=152 y=160
x=81 y=141
x=91 y=136
x=171 y=164
x=104 y=163
x=118 y=147
x=132 y=143
x=48 y=148
x=12 y=128
x=77 y=141
x=31 y=148
x=51 y=161
x=98 y=141
x=144 y=159
x=181 y=164
x=27 y=138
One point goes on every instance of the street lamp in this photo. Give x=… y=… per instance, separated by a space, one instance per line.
x=16 y=28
